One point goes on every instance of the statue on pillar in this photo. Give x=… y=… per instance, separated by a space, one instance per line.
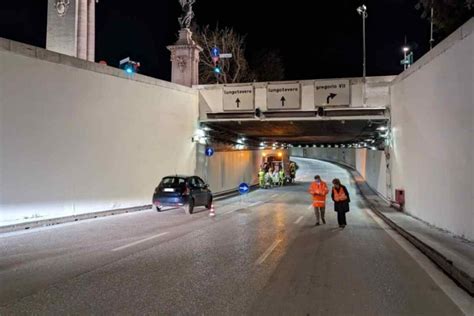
x=185 y=52
x=188 y=14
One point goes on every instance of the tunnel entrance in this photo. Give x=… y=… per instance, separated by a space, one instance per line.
x=287 y=133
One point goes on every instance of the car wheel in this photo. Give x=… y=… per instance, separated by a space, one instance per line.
x=189 y=208
x=209 y=203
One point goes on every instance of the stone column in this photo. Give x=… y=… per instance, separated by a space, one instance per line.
x=185 y=60
x=82 y=29
x=61 y=33
x=91 y=31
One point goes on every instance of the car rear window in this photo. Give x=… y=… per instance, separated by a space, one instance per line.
x=173 y=182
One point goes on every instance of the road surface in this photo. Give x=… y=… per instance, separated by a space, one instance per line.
x=261 y=255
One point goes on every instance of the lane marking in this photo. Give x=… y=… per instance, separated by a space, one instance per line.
x=139 y=242
x=254 y=204
x=274 y=196
x=310 y=206
x=267 y=252
x=459 y=297
x=299 y=220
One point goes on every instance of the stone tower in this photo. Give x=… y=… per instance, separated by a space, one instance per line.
x=71 y=28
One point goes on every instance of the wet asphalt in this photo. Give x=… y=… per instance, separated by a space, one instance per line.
x=260 y=255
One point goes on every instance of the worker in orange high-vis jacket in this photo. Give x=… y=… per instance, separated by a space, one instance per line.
x=318 y=189
x=341 y=199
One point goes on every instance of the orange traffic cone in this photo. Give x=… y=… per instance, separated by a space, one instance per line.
x=212 y=212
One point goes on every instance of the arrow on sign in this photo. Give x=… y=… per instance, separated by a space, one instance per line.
x=330 y=96
x=237 y=101
x=282 y=101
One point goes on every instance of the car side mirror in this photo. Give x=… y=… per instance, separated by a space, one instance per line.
x=206 y=186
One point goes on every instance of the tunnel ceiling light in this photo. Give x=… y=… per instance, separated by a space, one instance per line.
x=373 y=148
x=262 y=144
x=200 y=133
x=382 y=128
x=314 y=145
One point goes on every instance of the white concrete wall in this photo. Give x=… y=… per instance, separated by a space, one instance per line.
x=370 y=164
x=433 y=137
x=224 y=171
x=75 y=141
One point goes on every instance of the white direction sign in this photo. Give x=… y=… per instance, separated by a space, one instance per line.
x=238 y=98
x=332 y=93
x=284 y=96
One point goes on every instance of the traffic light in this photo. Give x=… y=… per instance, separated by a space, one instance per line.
x=215 y=53
x=217 y=69
x=129 y=67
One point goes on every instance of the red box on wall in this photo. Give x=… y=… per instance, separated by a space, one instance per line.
x=400 y=196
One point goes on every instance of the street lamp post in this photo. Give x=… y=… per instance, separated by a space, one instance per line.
x=362 y=10
x=405 y=51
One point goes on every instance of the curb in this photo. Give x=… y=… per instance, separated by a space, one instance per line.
x=74 y=218
x=68 y=219
x=231 y=193
x=459 y=276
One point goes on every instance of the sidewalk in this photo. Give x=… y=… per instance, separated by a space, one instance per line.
x=455 y=256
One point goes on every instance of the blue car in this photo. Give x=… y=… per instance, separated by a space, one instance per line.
x=182 y=191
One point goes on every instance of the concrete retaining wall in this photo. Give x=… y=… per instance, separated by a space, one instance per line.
x=433 y=134
x=78 y=137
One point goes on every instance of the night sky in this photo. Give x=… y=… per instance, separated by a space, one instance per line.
x=325 y=42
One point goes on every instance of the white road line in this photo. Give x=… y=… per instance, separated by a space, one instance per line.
x=267 y=252
x=274 y=196
x=254 y=204
x=456 y=294
x=138 y=242
x=299 y=220
x=310 y=206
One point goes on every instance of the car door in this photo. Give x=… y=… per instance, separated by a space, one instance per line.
x=196 y=191
x=204 y=191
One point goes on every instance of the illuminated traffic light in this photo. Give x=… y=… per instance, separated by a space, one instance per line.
x=129 y=67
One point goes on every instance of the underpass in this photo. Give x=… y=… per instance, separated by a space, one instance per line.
x=68 y=155
x=261 y=254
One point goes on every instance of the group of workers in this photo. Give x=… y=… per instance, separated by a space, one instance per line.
x=339 y=194
x=271 y=177
x=274 y=174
